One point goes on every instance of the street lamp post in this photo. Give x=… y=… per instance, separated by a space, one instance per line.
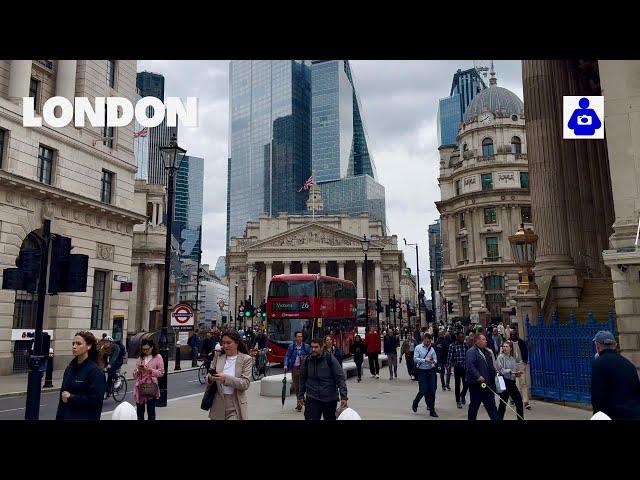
x=418 y=275
x=365 y=249
x=235 y=306
x=171 y=156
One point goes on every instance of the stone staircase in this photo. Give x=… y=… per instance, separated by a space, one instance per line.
x=597 y=296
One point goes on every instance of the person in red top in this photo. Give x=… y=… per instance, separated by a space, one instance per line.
x=372 y=341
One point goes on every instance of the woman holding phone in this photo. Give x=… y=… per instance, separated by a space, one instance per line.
x=232 y=374
x=149 y=368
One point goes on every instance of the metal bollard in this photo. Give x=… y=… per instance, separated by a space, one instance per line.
x=48 y=379
x=177 y=365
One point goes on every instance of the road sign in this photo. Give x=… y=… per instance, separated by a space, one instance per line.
x=120 y=278
x=182 y=317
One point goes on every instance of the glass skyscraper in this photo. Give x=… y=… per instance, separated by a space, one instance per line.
x=141 y=148
x=150 y=84
x=188 y=206
x=466 y=84
x=270 y=139
x=342 y=165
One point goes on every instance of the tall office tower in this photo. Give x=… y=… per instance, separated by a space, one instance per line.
x=269 y=139
x=342 y=164
x=188 y=206
x=466 y=84
x=141 y=147
x=152 y=85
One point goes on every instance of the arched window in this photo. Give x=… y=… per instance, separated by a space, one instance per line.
x=516 y=145
x=487 y=147
x=465 y=147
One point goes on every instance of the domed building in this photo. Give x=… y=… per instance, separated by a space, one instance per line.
x=484 y=186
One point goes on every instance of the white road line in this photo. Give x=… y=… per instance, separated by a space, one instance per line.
x=16 y=409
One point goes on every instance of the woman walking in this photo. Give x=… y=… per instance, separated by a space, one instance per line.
x=507 y=367
x=408 y=346
x=83 y=383
x=149 y=368
x=232 y=376
x=390 y=349
x=358 y=349
x=332 y=349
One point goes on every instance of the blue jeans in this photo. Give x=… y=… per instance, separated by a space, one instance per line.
x=426 y=387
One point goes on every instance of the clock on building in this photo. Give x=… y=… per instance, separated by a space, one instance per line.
x=485 y=118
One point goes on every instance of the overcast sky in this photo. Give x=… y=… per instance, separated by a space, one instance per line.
x=399 y=102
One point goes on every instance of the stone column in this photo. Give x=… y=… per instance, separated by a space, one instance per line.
x=66 y=79
x=395 y=276
x=132 y=324
x=154 y=210
x=287 y=268
x=471 y=235
x=359 y=282
x=446 y=248
x=377 y=277
x=268 y=276
x=506 y=231
x=340 y=269
x=527 y=303
x=19 y=79
x=305 y=267
x=249 y=289
x=323 y=267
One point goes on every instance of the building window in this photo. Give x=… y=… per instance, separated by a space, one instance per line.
x=45 y=164
x=465 y=147
x=516 y=145
x=493 y=282
x=464 y=285
x=107 y=186
x=524 y=179
x=487 y=181
x=111 y=73
x=34 y=88
x=494 y=295
x=490 y=216
x=462 y=223
x=487 y=147
x=525 y=214
x=458 y=186
x=1 y=146
x=97 y=304
x=492 y=247
x=463 y=247
x=107 y=133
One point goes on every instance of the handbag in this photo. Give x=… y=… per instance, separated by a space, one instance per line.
x=207 y=398
x=148 y=389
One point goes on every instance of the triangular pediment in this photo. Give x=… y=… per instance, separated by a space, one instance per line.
x=312 y=236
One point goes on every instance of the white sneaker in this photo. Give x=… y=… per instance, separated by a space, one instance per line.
x=373 y=376
x=377 y=376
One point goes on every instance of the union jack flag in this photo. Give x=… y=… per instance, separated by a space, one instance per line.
x=307 y=184
x=141 y=133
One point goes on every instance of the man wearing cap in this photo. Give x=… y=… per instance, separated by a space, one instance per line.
x=615 y=386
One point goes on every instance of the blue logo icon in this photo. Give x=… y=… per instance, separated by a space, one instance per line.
x=584 y=121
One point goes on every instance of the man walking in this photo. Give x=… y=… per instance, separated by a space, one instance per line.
x=193 y=343
x=442 y=351
x=425 y=359
x=456 y=360
x=615 y=387
x=391 y=351
x=321 y=380
x=296 y=353
x=521 y=353
x=407 y=349
x=372 y=341
x=480 y=370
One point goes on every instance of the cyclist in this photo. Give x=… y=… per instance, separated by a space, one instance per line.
x=261 y=345
x=115 y=362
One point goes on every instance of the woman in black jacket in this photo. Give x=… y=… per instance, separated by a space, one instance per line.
x=83 y=384
x=358 y=349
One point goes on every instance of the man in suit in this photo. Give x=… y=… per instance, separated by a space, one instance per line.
x=480 y=370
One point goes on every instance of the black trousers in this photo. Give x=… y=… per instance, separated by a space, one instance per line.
x=410 y=363
x=513 y=392
x=481 y=396
x=459 y=375
x=314 y=409
x=358 y=362
x=374 y=366
x=151 y=409
x=443 y=372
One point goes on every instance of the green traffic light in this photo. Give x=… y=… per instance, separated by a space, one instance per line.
x=247 y=314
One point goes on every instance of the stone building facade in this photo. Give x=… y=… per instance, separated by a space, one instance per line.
x=484 y=187
x=78 y=179
x=324 y=244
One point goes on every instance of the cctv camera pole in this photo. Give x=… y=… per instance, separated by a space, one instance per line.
x=37 y=359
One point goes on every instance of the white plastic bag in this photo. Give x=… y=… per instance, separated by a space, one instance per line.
x=124 y=411
x=500 y=385
x=600 y=416
x=349 y=414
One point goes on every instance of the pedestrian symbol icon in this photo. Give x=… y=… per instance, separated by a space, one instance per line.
x=583 y=117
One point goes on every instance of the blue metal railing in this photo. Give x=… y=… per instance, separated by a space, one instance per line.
x=560 y=356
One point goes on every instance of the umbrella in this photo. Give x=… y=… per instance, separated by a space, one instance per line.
x=284 y=389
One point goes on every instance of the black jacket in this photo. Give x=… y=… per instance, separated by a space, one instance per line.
x=85 y=382
x=320 y=381
x=476 y=367
x=442 y=350
x=391 y=344
x=358 y=349
x=615 y=387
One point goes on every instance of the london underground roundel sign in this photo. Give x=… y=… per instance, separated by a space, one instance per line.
x=182 y=316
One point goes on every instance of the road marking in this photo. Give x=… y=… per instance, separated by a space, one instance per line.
x=16 y=409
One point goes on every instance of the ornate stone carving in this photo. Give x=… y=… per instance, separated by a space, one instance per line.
x=64 y=212
x=129 y=229
x=312 y=237
x=11 y=198
x=24 y=201
x=104 y=251
x=47 y=209
x=76 y=215
x=98 y=221
x=119 y=227
x=88 y=218
x=109 y=224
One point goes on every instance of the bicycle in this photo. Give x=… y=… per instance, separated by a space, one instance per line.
x=118 y=389
x=261 y=367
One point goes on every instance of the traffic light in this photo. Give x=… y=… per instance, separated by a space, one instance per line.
x=263 y=310
x=25 y=277
x=379 y=306
x=249 y=310
x=68 y=272
x=399 y=313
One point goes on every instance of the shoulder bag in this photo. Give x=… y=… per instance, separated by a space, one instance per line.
x=148 y=388
x=210 y=392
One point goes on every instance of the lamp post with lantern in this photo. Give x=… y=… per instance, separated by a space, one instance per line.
x=365 y=249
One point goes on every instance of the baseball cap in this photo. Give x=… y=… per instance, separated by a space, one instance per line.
x=604 y=337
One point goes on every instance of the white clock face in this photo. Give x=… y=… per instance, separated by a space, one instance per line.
x=485 y=118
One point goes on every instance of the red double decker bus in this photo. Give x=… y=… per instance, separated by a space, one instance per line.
x=316 y=305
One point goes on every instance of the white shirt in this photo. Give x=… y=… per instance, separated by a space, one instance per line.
x=229 y=369
x=147 y=359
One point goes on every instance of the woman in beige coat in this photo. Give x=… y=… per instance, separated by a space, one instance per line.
x=233 y=377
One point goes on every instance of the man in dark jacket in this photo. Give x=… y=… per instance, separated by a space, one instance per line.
x=615 y=387
x=321 y=379
x=442 y=351
x=479 y=371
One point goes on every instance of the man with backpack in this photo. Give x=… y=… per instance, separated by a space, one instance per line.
x=321 y=380
x=116 y=359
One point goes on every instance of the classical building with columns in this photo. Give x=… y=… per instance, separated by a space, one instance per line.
x=324 y=244
x=484 y=187
x=82 y=180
